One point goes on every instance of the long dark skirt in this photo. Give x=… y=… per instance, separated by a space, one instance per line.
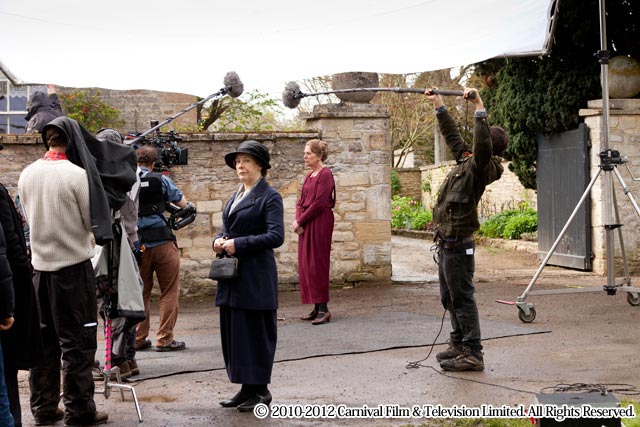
x=249 y=340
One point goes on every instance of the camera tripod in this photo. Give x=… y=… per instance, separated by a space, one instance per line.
x=609 y=161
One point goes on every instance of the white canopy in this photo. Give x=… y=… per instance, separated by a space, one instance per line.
x=189 y=46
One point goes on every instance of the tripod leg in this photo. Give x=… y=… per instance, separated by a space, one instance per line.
x=625 y=265
x=525 y=308
x=627 y=191
x=609 y=227
x=632 y=298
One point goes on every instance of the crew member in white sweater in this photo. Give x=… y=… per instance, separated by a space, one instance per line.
x=55 y=196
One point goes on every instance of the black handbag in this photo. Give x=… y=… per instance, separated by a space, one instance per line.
x=223 y=267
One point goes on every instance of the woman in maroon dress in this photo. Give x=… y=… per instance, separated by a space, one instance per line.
x=314 y=226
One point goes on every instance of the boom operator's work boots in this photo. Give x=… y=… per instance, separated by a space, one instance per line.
x=469 y=360
x=452 y=352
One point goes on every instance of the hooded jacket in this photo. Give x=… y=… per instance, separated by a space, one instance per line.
x=111 y=170
x=41 y=109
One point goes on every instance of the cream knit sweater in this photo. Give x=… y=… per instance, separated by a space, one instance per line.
x=55 y=196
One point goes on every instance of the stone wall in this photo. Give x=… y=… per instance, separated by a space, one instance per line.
x=138 y=107
x=623 y=136
x=506 y=193
x=359 y=156
x=410 y=184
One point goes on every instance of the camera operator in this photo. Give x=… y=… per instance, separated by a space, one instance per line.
x=159 y=251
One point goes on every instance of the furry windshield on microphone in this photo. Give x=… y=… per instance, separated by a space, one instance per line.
x=291 y=95
x=233 y=84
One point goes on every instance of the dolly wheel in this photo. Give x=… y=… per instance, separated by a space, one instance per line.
x=527 y=318
x=633 y=299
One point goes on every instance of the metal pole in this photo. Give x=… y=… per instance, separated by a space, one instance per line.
x=608 y=183
x=140 y=137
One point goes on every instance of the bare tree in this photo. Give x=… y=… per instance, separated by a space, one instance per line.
x=413 y=123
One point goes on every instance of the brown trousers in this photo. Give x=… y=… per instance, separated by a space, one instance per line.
x=164 y=260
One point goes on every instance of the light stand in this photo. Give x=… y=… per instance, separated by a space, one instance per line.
x=609 y=161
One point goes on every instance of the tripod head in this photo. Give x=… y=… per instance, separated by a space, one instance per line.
x=611 y=158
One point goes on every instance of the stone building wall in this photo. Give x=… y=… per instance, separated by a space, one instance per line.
x=359 y=157
x=623 y=136
x=410 y=184
x=506 y=193
x=138 y=107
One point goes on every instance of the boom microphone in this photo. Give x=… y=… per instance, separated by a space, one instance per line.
x=232 y=84
x=292 y=94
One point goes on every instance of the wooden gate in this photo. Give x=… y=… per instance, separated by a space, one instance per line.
x=562 y=176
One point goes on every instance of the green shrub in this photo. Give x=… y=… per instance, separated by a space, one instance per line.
x=90 y=111
x=421 y=218
x=510 y=224
x=396 y=185
x=409 y=214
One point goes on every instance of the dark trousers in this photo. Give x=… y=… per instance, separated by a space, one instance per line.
x=68 y=311
x=11 y=380
x=6 y=419
x=455 y=270
x=130 y=339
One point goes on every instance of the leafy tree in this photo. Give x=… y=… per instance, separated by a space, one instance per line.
x=254 y=111
x=542 y=95
x=90 y=111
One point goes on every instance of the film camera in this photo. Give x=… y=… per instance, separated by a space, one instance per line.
x=169 y=153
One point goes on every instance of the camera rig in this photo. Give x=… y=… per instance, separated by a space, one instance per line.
x=180 y=217
x=169 y=152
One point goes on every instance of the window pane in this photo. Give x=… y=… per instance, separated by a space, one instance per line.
x=17 y=124
x=3 y=96
x=18 y=98
x=3 y=123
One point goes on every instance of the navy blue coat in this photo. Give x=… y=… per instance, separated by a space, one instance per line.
x=257 y=227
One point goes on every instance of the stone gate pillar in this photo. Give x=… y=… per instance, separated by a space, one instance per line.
x=624 y=136
x=360 y=159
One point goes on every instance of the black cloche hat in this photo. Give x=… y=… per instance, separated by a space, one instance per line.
x=253 y=148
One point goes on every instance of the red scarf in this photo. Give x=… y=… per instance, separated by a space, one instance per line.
x=54 y=155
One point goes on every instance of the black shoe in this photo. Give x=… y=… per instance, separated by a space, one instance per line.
x=173 y=346
x=100 y=418
x=254 y=400
x=452 y=352
x=144 y=345
x=240 y=397
x=467 y=361
x=45 y=420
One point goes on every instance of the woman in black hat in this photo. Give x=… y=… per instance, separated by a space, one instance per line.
x=252 y=226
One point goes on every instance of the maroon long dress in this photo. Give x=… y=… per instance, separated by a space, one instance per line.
x=314 y=214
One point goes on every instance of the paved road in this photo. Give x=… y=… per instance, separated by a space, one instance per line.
x=593 y=339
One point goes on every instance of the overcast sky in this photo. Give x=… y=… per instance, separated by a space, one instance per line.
x=188 y=46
